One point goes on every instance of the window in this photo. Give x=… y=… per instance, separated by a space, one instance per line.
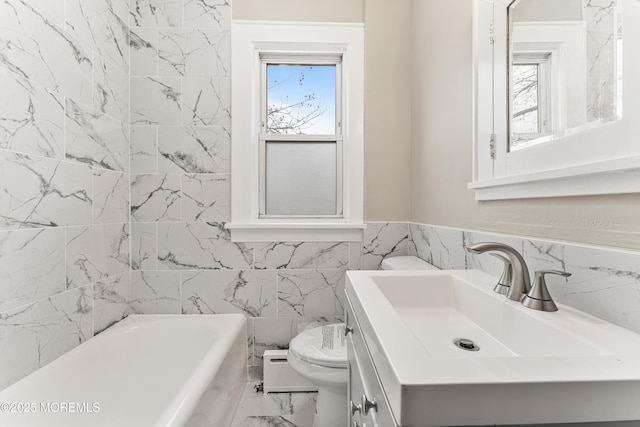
x=297 y=131
x=593 y=76
x=532 y=115
x=300 y=140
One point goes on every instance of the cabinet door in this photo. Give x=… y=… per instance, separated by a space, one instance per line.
x=364 y=382
x=356 y=387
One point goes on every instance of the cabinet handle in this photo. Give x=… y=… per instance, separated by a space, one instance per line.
x=368 y=404
x=348 y=330
x=355 y=408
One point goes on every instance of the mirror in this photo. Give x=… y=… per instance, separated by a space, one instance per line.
x=564 y=68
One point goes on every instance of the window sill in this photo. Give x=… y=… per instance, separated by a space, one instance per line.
x=274 y=232
x=620 y=176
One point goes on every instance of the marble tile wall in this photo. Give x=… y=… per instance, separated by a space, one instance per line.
x=64 y=176
x=183 y=260
x=605 y=282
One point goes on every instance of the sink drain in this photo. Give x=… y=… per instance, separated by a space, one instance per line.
x=466 y=344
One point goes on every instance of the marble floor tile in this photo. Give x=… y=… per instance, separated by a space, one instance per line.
x=275 y=421
x=275 y=409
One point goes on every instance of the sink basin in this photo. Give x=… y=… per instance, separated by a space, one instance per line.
x=523 y=367
x=444 y=307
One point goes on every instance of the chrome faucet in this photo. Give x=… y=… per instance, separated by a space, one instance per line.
x=520 y=282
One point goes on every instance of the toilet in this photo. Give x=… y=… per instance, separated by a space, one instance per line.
x=320 y=355
x=406 y=263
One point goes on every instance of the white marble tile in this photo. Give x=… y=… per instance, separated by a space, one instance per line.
x=542 y=255
x=111 y=301
x=383 y=240
x=31 y=117
x=96 y=252
x=37 y=47
x=110 y=196
x=250 y=338
x=110 y=89
x=144 y=51
x=34 y=335
x=36 y=192
x=156 y=100
x=155 y=197
x=96 y=139
x=144 y=254
x=249 y=292
x=53 y=9
x=447 y=248
x=99 y=28
x=144 y=149
x=31 y=266
x=420 y=241
x=156 y=13
x=604 y=283
x=274 y=421
x=255 y=372
x=207 y=14
x=355 y=255
x=301 y=255
x=206 y=197
x=121 y=8
x=206 y=101
x=155 y=292
x=310 y=293
x=198 y=149
x=194 y=52
x=201 y=246
x=273 y=333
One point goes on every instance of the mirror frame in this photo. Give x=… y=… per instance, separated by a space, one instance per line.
x=600 y=160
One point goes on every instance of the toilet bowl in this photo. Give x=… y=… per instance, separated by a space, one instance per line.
x=320 y=355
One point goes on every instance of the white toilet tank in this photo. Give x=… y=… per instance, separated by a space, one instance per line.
x=406 y=263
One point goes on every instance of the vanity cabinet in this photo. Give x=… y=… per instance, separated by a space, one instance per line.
x=367 y=406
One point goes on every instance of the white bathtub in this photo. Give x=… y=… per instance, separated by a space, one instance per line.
x=149 y=370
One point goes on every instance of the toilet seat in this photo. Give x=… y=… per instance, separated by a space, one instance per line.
x=323 y=346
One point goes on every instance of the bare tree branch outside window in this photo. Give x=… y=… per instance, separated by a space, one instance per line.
x=299 y=109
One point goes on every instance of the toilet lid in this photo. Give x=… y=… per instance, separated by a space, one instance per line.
x=324 y=346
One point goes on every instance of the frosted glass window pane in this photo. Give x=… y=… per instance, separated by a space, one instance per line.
x=301 y=99
x=300 y=178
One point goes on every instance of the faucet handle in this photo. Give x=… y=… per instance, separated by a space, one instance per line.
x=538 y=297
x=504 y=282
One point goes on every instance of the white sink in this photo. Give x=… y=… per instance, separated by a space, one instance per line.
x=531 y=367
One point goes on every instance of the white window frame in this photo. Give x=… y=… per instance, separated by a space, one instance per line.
x=545 y=102
x=602 y=159
x=265 y=137
x=251 y=42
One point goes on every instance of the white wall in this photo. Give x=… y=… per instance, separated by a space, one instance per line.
x=387 y=110
x=441 y=148
x=300 y=10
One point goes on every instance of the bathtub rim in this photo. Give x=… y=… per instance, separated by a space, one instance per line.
x=182 y=405
x=185 y=398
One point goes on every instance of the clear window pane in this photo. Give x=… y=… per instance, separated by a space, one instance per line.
x=300 y=178
x=301 y=99
x=526 y=117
